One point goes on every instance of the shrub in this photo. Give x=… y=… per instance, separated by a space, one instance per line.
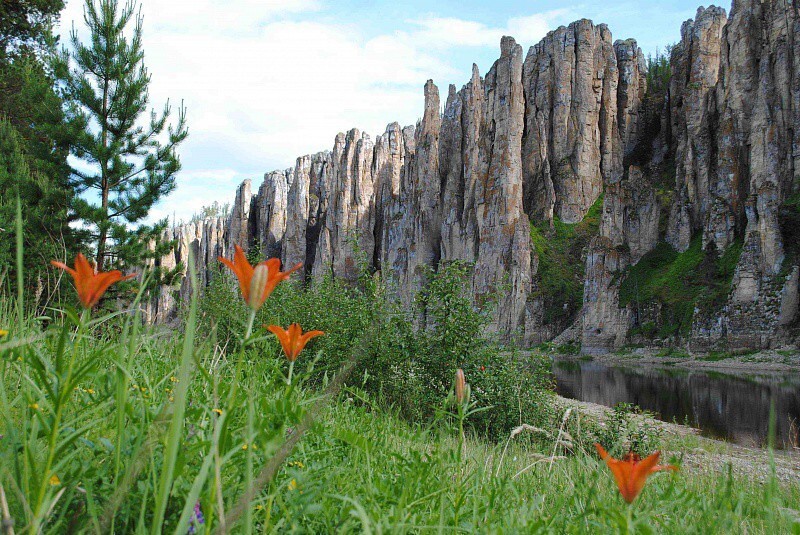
x=408 y=368
x=626 y=430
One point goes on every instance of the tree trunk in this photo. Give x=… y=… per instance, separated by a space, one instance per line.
x=104 y=184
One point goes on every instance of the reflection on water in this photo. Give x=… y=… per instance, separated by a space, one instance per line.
x=733 y=407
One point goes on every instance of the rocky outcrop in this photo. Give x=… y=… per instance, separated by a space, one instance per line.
x=205 y=240
x=630 y=216
x=695 y=67
x=572 y=142
x=604 y=324
x=503 y=262
x=393 y=163
x=347 y=208
x=631 y=90
x=304 y=216
x=240 y=227
x=733 y=111
x=538 y=141
x=271 y=210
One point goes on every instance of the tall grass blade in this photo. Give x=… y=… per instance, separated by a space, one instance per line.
x=20 y=275
x=176 y=426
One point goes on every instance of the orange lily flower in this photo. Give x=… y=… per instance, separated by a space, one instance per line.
x=90 y=284
x=632 y=471
x=293 y=340
x=257 y=283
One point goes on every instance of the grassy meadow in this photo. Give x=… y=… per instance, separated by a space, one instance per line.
x=113 y=426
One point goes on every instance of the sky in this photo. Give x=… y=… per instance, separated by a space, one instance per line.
x=266 y=81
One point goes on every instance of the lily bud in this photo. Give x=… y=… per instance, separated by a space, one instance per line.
x=461 y=386
x=258 y=286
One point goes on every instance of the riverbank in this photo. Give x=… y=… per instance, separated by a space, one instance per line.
x=766 y=362
x=707 y=456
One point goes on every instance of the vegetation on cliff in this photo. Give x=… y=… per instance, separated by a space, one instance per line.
x=562 y=263
x=666 y=287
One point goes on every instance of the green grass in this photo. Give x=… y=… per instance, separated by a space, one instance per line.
x=147 y=399
x=108 y=425
x=679 y=283
x=561 y=268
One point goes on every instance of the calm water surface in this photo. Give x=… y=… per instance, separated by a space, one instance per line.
x=734 y=407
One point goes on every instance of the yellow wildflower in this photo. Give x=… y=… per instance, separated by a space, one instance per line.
x=54 y=480
x=296 y=464
x=218 y=411
x=259 y=507
x=34 y=406
x=244 y=446
x=293 y=484
x=90 y=391
x=3 y=333
x=173 y=379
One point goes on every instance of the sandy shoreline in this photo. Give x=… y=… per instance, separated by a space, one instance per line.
x=700 y=454
x=763 y=362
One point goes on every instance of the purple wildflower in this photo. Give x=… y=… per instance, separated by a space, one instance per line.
x=197 y=519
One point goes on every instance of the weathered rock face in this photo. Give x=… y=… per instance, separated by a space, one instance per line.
x=630 y=217
x=504 y=242
x=733 y=112
x=270 y=224
x=304 y=216
x=696 y=63
x=631 y=91
x=541 y=139
x=753 y=166
x=394 y=153
x=572 y=139
x=240 y=222
x=605 y=325
x=347 y=201
x=206 y=241
x=459 y=167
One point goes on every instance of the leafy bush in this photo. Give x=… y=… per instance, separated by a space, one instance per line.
x=626 y=430
x=405 y=367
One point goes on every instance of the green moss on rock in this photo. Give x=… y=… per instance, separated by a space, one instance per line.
x=561 y=262
x=680 y=283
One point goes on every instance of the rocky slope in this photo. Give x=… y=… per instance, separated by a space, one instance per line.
x=672 y=189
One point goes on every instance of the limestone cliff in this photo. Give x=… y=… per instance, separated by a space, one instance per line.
x=694 y=164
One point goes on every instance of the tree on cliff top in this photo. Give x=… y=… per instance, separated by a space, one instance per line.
x=128 y=161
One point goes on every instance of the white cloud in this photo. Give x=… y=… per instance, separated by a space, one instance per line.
x=453 y=32
x=267 y=81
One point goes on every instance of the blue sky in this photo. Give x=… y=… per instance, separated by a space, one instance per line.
x=266 y=81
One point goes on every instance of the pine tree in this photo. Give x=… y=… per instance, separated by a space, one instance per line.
x=35 y=139
x=26 y=24
x=128 y=162
x=46 y=230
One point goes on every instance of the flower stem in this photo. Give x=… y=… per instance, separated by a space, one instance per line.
x=240 y=364
x=291 y=370
x=62 y=397
x=249 y=331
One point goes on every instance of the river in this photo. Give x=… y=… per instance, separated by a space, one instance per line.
x=733 y=407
